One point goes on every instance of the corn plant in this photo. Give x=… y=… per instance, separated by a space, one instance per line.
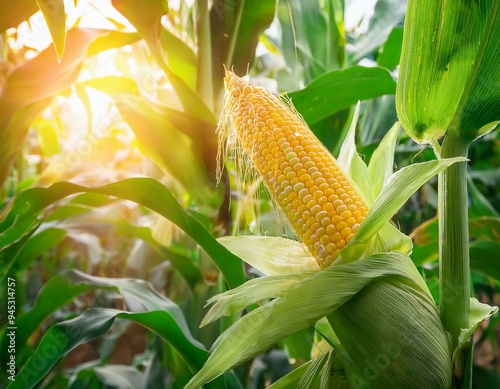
x=329 y=215
x=470 y=110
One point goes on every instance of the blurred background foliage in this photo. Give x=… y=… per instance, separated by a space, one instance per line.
x=135 y=99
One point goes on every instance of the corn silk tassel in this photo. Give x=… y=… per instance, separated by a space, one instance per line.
x=302 y=177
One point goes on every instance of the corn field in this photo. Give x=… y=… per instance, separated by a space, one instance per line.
x=235 y=194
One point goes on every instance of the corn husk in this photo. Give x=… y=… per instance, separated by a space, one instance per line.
x=449 y=69
x=372 y=302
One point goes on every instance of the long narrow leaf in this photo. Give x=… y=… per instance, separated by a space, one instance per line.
x=321 y=97
x=396 y=191
x=23 y=215
x=61 y=338
x=54 y=15
x=152 y=310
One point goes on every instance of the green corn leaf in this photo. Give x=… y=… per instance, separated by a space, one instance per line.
x=306 y=33
x=387 y=14
x=479 y=205
x=29 y=88
x=449 y=69
x=156 y=127
x=326 y=291
x=180 y=261
x=64 y=337
x=180 y=57
x=483 y=249
x=25 y=209
x=9 y=251
x=478 y=313
x=39 y=244
x=113 y=40
x=147 y=21
x=484 y=259
x=235 y=28
x=151 y=310
x=317 y=100
x=56 y=292
x=350 y=162
x=390 y=52
x=55 y=16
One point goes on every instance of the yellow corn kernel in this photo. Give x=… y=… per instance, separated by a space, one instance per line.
x=301 y=175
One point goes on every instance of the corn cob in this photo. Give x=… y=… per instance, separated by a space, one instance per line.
x=301 y=175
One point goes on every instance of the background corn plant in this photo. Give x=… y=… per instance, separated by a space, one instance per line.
x=79 y=253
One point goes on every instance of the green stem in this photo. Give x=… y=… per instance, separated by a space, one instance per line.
x=234 y=36
x=454 y=248
x=20 y=166
x=204 y=57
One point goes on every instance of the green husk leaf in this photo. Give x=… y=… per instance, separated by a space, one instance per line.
x=479 y=312
x=394 y=337
x=292 y=379
x=321 y=294
x=250 y=292
x=351 y=163
x=389 y=238
x=312 y=376
x=396 y=191
x=449 y=69
x=325 y=331
x=271 y=255
x=381 y=165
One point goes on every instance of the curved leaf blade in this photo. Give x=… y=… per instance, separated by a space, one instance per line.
x=387 y=14
x=396 y=191
x=54 y=14
x=381 y=163
x=321 y=98
x=271 y=255
x=27 y=206
x=61 y=338
x=151 y=310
